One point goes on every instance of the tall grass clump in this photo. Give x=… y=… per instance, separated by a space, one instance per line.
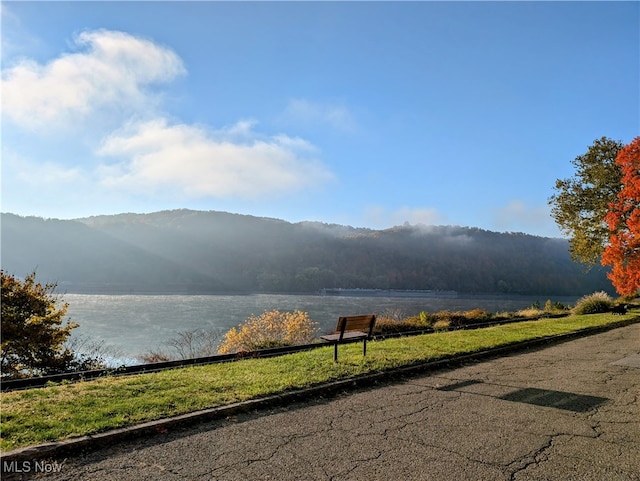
x=395 y=321
x=593 y=303
x=270 y=329
x=461 y=318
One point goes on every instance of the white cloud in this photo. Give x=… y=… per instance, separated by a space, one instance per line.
x=191 y=161
x=381 y=218
x=111 y=72
x=302 y=111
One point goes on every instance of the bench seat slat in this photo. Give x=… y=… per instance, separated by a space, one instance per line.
x=346 y=335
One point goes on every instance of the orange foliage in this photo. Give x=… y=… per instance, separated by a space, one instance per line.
x=623 y=219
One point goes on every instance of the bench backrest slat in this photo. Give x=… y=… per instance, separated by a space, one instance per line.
x=362 y=323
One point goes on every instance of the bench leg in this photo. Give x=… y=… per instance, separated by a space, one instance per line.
x=364 y=348
x=335 y=352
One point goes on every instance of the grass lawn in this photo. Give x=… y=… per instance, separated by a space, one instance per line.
x=68 y=410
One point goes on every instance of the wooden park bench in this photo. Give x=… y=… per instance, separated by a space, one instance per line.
x=620 y=309
x=351 y=329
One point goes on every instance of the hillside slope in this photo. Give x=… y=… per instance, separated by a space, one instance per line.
x=194 y=251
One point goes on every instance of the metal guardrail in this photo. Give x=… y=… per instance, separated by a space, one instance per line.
x=42 y=381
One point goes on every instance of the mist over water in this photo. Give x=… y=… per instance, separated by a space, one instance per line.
x=134 y=324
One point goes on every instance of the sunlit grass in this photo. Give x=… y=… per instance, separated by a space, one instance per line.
x=68 y=410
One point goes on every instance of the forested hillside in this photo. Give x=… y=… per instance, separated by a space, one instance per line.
x=193 y=251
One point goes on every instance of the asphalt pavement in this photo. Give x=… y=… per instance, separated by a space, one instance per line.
x=569 y=412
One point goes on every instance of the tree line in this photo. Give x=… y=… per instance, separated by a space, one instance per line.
x=193 y=251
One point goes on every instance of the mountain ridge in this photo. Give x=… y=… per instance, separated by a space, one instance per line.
x=211 y=251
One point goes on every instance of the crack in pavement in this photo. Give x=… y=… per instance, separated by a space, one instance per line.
x=532 y=458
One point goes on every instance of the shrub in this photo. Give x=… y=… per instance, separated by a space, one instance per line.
x=594 y=303
x=33 y=331
x=458 y=318
x=442 y=317
x=441 y=324
x=385 y=325
x=477 y=315
x=270 y=329
x=529 y=312
x=396 y=321
x=559 y=306
x=449 y=318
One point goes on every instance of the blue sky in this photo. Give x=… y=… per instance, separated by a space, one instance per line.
x=370 y=114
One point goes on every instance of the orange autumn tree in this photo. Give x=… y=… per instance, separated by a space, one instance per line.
x=623 y=219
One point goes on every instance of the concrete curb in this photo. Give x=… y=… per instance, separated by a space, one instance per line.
x=71 y=447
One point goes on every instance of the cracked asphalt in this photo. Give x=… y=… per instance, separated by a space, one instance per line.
x=566 y=412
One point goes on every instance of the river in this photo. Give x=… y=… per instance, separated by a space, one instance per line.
x=129 y=325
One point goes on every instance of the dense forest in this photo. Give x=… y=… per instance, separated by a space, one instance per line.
x=193 y=251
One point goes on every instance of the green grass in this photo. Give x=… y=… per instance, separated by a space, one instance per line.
x=68 y=410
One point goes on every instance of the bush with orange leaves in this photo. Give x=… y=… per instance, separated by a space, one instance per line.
x=270 y=329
